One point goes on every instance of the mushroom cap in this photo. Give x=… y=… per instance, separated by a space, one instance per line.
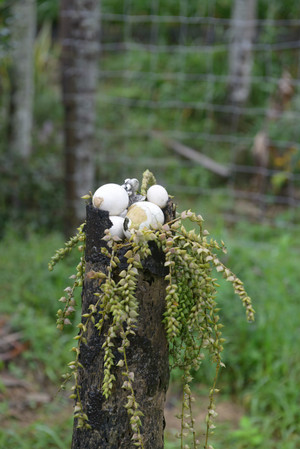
x=142 y=214
x=117 y=226
x=112 y=198
x=158 y=195
x=123 y=214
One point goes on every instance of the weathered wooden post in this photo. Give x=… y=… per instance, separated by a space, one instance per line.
x=147 y=356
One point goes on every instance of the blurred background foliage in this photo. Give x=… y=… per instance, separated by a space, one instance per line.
x=262 y=360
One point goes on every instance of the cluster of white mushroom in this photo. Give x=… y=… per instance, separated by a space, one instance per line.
x=129 y=210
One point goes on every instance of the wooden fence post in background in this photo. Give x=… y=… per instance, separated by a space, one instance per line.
x=23 y=28
x=243 y=26
x=80 y=29
x=147 y=356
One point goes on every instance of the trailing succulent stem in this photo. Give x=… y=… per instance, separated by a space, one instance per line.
x=68 y=299
x=191 y=317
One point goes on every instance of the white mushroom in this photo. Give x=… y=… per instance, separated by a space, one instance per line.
x=117 y=226
x=112 y=198
x=142 y=215
x=123 y=214
x=158 y=195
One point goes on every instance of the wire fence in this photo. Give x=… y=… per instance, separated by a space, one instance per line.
x=166 y=80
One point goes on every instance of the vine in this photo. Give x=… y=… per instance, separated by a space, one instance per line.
x=191 y=315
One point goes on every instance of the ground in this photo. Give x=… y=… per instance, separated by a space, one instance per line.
x=27 y=397
x=27 y=400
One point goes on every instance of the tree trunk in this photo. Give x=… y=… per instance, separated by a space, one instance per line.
x=240 y=52
x=23 y=27
x=147 y=356
x=80 y=24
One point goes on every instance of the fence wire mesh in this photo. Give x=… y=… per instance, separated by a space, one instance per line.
x=207 y=98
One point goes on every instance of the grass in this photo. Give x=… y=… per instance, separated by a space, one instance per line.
x=29 y=303
x=262 y=360
x=30 y=295
x=39 y=435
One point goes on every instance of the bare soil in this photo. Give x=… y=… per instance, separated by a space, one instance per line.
x=26 y=401
x=229 y=412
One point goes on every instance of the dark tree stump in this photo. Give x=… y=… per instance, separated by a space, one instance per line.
x=147 y=355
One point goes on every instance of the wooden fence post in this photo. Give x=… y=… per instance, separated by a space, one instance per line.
x=147 y=355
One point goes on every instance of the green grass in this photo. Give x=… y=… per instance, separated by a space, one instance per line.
x=29 y=295
x=38 y=435
x=262 y=359
x=30 y=299
x=263 y=362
